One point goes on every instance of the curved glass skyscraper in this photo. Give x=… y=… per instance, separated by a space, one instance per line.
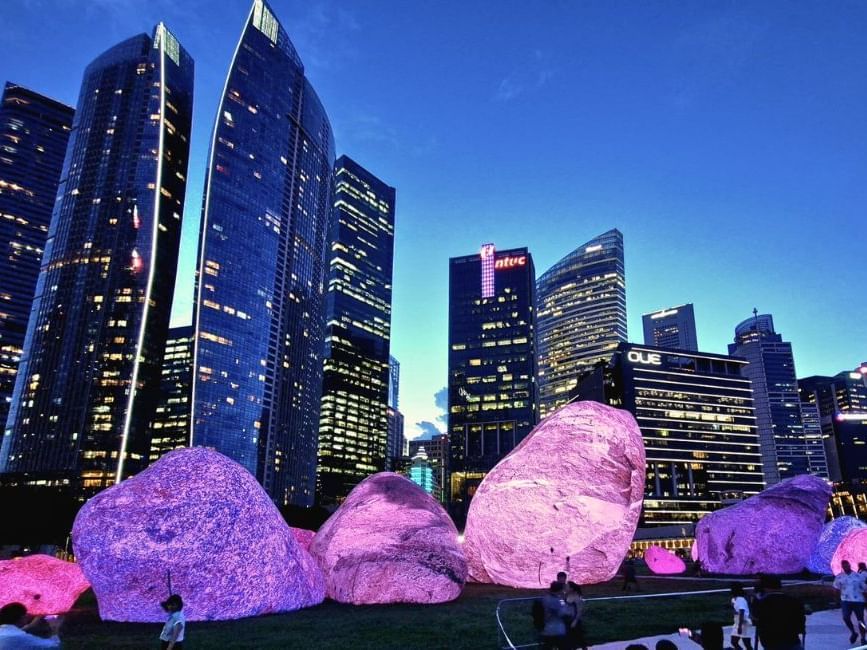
x=258 y=314
x=580 y=316
x=89 y=377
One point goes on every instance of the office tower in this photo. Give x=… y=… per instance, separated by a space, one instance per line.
x=581 y=316
x=817 y=461
x=841 y=402
x=421 y=472
x=672 y=328
x=696 y=415
x=34 y=131
x=437 y=450
x=89 y=378
x=170 y=428
x=393 y=382
x=258 y=314
x=395 y=439
x=492 y=364
x=785 y=448
x=353 y=426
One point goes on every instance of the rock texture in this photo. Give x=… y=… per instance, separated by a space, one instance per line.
x=832 y=534
x=663 y=562
x=43 y=584
x=772 y=532
x=390 y=542
x=303 y=536
x=567 y=498
x=853 y=547
x=197 y=524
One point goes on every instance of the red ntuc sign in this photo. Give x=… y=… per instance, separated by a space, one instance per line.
x=510 y=262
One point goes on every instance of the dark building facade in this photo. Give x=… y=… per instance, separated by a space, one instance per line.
x=259 y=306
x=89 y=378
x=393 y=382
x=170 y=428
x=34 y=131
x=581 y=316
x=492 y=403
x=672 y=328
x=786 y=449
x=353 y=425
x=396 y=438
x=696 y=415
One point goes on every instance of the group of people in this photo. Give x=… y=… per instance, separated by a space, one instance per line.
x=852 y=586
x=559 y=616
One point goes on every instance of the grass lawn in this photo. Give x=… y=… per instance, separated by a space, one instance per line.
x=468 y=622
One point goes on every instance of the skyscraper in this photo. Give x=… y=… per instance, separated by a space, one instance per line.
x=258 y=313
x=421 y=472
x=34 y=131
x=786 y=450
x=581 y=316
x=393 y=382
x=492 y=364
x=672 y=328
x=89 y=378
x=170 y=428
x=353 y=428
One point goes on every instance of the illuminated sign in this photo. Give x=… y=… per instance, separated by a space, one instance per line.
x=510 y=262
x=644 y=358
x=663 y=313
x=851 y=417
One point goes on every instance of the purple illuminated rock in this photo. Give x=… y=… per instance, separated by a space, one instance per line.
x=774 y=531
x=853 y=547
x=662 y=561
x=303 y=536
x=567 y=498
x=390 y=542
x=199 y=522
x=830 y=538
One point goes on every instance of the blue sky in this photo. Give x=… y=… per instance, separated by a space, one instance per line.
x=726 y=140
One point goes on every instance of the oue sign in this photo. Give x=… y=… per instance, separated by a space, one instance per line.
x=510 y=262
x=644 y=358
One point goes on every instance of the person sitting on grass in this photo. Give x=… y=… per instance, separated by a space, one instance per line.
x=14 y=628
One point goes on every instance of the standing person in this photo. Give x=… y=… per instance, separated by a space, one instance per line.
x=851 y=586
x=562 y=578
x=779 y=617
x=172 y=636
x=743 y=624
x=629 y=575
x=556 y=614
x=14 y=628
x=575 y=628
x=709 y=636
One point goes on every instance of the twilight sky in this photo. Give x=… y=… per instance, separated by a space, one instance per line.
x=726 y=140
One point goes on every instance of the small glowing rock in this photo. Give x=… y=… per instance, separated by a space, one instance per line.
x=43 y=584
x=833 y=533
x=853 y=547
x=662 y=561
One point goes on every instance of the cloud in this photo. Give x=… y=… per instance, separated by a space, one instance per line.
x=428 y=430
x=441 y=401
x=534 y=73
x=365 y=128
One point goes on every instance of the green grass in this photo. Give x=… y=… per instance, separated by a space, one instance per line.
x=467 y=622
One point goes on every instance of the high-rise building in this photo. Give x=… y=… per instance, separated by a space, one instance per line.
x=672 y=328
x=34 y=131
x=170 y=428
x=581 y=316
x=696 y=415
x=841 y=402
x=786 y=449
x=353 y=425
x=421 y=472
x=395 y=439
x=258 y=314
x=492 y=364
x=393 y=382
x=437 y=450
x=89 y=378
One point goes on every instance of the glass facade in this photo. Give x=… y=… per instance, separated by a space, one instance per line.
x=89 y=378
x=672 y=328
x=34 y=131
x=437 y=450
x=492 y=402
x=353 y=427
x=696 y=415
x=170 y=428
x=259 y=309
x=393 y=383
x=421 y=472
x=581 y=305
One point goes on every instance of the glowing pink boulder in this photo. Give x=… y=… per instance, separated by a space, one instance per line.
x=853 y=547
x=662 y=561
x=832 y=534
x=303 y=536
x=390 y=542
x=197 y=524
x=567 y=498
x=774 y=531
x=43 y=584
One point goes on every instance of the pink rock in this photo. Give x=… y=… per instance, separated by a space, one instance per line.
x=197 y=524
x=662 y=561
x=390 y=542
x=43 y=584
x=834 y=532
x=567 y=498
x=772 y=532
x=693 y=551
x=852 y=548
x=303 y=536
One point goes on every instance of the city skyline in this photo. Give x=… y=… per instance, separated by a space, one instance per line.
x=727 y=147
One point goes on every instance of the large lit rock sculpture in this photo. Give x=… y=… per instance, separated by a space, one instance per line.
x=43 y=584
x=830 y=538
x=853 y=547
x=390 y=542
x=197 y=524
x=662 y=561
x=567 y=498
x=774 y=531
